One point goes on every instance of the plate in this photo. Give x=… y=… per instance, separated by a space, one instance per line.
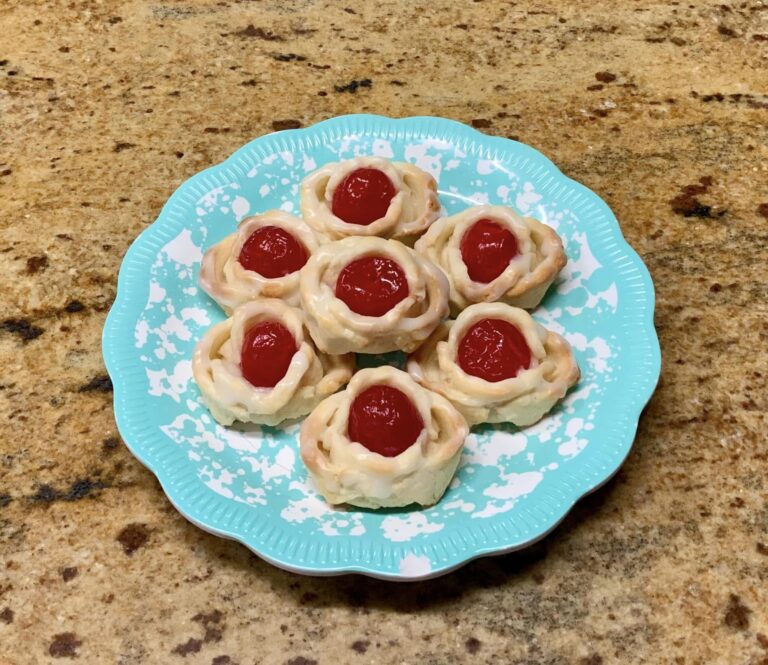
x=513 y=486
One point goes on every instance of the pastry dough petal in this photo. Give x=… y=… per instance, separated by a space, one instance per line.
x=414 y=207
x=229 y=284
x=337 y=329
x=347 y=472
x=311 y=376
x=522 y=284
x=521 y=400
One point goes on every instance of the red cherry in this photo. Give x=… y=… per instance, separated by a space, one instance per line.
x=486 y=249
x=371 y=286
x=494 y=350
x=272 y=252
x=266 y=353
x=384 y=420
x=363 y=196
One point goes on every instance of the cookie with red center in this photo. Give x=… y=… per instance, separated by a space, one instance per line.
x=260 y=366
x=492 y=254
x=261 y=259
x=384 y=441
x=371 y=295
x=496 y=364
x=369 y=196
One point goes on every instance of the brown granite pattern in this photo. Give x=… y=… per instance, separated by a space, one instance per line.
x=661 y=107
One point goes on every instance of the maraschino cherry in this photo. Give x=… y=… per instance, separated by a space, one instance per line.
x=272 y=252
x=486 y=249
x=371 y=285
x=493 y=350
x=384 y=420
x=363 y=196
x=266 y=353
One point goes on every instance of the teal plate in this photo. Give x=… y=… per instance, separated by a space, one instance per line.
x=513 y=486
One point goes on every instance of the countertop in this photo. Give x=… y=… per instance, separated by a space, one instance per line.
x=659 y=107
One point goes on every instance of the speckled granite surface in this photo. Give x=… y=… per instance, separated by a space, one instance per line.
x=660 y=107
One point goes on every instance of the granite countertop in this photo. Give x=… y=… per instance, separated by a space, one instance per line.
x=659 y=107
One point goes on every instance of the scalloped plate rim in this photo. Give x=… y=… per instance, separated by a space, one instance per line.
x=124 y=291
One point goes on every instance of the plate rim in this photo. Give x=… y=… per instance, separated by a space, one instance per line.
x=126 y=285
